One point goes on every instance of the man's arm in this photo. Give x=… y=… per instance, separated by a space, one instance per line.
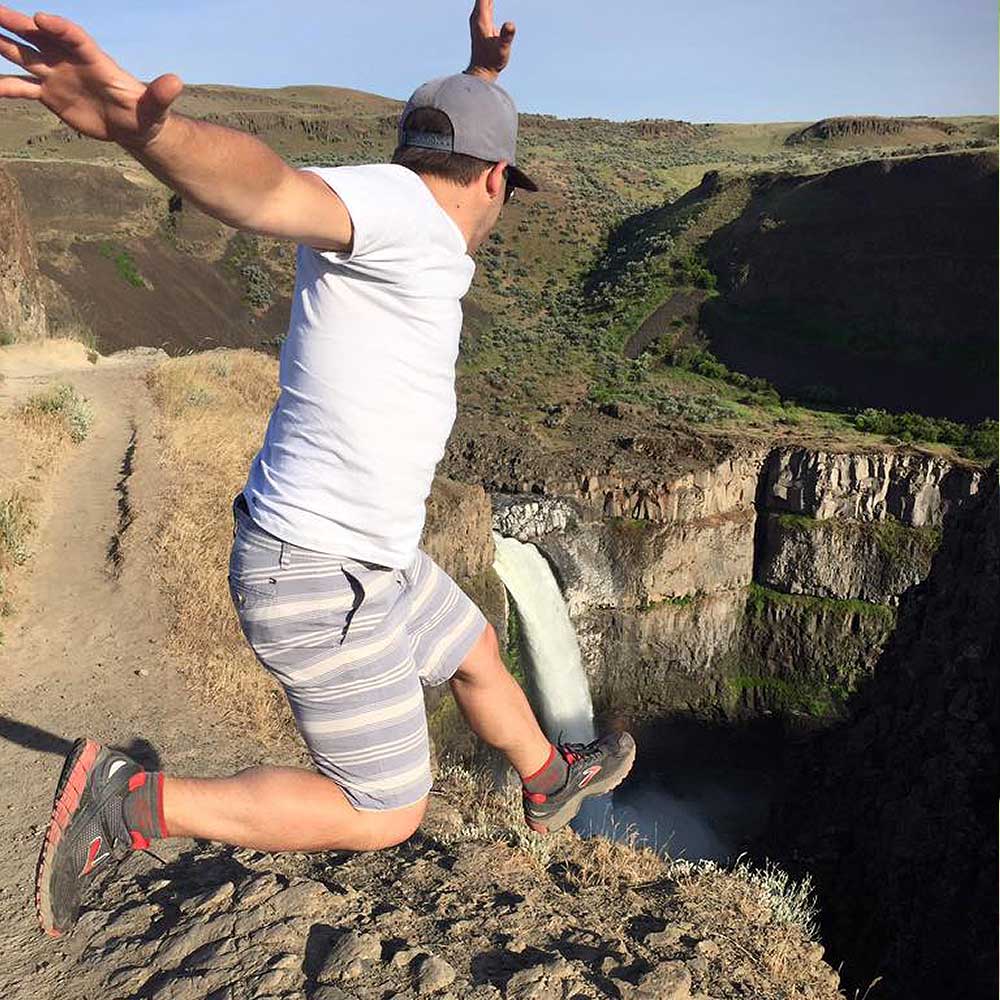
x=226 y=173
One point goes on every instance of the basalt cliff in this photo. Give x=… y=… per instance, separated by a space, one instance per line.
x=769 y=581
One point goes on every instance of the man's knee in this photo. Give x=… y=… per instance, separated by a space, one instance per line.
x=483 y=658
x=393 y=826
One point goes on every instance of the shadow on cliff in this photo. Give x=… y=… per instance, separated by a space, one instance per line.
x=892 y=811
x=705 y=788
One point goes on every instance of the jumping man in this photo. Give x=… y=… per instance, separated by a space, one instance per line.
x=331 y=588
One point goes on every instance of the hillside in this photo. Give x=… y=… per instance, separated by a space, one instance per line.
x=870 y=285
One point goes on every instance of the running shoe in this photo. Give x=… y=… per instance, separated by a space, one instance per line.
x=593 y=769
x=86 y=832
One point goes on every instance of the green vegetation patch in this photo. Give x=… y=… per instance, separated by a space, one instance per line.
x=66 y=403
x=799 y=522
x=245 y=263
x=760 y=599
x=901 y=543
x=682 y=601
x=126 y=267
x=821 y=700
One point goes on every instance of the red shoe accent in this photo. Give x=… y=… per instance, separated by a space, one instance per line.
x=139 y=842
x=537 y=797
x=137 y=781
x=570 y=758
x=95 y=849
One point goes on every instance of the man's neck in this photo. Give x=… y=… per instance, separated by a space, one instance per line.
x=453 y=201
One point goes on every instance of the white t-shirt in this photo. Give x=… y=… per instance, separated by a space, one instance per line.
x=367 y=375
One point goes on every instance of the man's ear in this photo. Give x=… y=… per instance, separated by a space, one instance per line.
x=495 y=183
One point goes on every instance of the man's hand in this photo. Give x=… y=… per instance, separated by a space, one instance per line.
x=490 y=48
x=79 y=83
x=227 y=174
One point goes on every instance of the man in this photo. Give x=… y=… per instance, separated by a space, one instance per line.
x=332 y=591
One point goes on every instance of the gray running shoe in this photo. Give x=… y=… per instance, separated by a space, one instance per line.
x=87 y=830
x=594 y=768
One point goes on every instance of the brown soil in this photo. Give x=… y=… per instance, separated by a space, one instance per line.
x=681 y=309
x=85 y=652
x=188 y=304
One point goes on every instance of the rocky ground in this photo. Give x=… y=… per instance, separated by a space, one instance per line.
x=439 y=916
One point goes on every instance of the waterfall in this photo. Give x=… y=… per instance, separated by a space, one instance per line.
x=678 y=820
x=549 y=639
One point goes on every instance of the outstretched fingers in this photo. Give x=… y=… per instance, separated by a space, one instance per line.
x=24 y=87
x=25 y=56
x=482 y=16
x=16 y=22
x=66 y=33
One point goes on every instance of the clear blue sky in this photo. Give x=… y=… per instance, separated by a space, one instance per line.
x=721 y=60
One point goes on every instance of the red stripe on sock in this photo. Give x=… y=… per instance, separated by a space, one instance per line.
x=159 y=805
x=137 y=781
x=549 y=759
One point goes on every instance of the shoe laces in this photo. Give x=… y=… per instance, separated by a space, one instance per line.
x=581 y=751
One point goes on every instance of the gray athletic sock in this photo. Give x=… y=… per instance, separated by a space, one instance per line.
x=550 y=777
x=143 y=808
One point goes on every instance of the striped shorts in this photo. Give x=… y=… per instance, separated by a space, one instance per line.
x=352 y=644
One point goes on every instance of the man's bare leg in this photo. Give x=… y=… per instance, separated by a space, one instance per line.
x=289 y=809
x=281 y=809
x=496 y=708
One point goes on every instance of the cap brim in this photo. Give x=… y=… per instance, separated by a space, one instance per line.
x=518 y=178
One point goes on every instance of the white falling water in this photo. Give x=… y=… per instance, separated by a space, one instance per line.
x=557 y=671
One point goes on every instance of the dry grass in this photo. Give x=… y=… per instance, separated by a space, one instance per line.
x=760 y=920
x=584 y=864
x=763 y=922
x=35 y=441
x=212 y=412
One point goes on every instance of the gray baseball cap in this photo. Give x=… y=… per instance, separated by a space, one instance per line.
x=483 y=120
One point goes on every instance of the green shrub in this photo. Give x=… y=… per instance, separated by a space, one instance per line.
x=974 y=441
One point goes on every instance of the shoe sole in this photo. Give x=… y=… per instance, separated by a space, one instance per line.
x=69 y=791
x=568 y=812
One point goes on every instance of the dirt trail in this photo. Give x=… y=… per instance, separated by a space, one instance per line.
x=85 y=652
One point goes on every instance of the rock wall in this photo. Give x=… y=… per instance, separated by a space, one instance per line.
x=766 y=582
x=22 y=315
x=915 y=490
x=457 y=536
x=844 y=559
x=895 y=812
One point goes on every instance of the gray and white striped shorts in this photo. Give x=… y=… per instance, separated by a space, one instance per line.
x=352 y=643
